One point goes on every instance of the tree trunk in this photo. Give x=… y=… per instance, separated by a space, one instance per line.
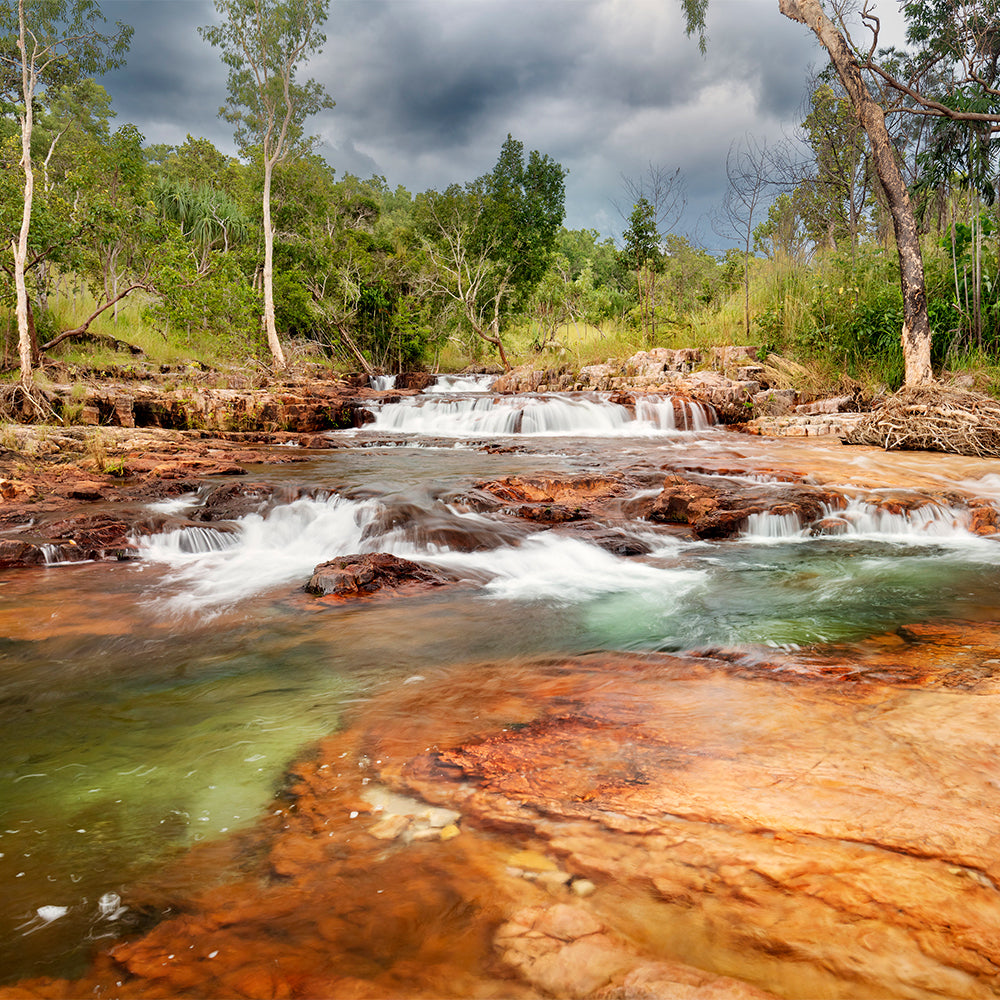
x=277 y=354
x=20 y=247
x=916 y=335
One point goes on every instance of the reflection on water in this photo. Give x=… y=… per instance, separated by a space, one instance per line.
x=131 y=725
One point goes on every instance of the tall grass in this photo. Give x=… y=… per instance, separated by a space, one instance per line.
x=131 y=323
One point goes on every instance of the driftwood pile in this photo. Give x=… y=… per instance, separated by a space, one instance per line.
x=933 y=418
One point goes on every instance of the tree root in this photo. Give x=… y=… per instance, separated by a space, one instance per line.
x=933 y=418
x=25 y=405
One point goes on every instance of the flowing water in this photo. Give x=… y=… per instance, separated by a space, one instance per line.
x=149 y=706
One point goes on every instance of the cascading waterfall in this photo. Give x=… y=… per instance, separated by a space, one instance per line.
x=551 y=415
x=194 y=540
x=382 y=383
x=859 y=519
x=214 y=569
x=461 y=383
x=662 y=413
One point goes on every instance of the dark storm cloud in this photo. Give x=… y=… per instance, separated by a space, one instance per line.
x=174 y=83
x=427 y=90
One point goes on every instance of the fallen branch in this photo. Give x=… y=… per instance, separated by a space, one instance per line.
x=81 y=330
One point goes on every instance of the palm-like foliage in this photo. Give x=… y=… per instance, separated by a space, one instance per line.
x=207 y=216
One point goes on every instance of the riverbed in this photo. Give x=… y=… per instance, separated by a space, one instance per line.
x=153 y=707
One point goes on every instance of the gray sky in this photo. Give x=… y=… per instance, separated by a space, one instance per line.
x=427 y=90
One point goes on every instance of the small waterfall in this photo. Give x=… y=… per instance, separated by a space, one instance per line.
x=859 y=519
x=663 y=412
x=192 y=540
x=929 y=521
x=555 y=415
x=52 y=554
x=772 y=527
x=382 y=383
x=461 y=383
x=211 y=568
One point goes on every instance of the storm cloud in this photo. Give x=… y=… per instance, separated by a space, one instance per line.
x=427 y=90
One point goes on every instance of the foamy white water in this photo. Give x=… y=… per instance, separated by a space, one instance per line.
x=461 y=383
x=265 y=551
x=210 y=569
x=382 y=383
x=565 y=570
x=548 y=415
x=861 y=520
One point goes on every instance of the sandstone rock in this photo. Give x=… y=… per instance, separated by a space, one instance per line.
x=14 y=553
x=234 y=500
x=547 y=513
x=774 y=402
x=722 y=523
x=597 y=376
x=16 y=490
x=612 y=539
x=729 y=355
x=84 y=490
x=682 y=501
x=838 y=404
x=356 y=575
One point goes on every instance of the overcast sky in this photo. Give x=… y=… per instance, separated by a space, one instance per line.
x=427 y=90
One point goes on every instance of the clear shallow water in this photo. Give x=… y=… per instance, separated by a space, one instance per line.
x=147 y=707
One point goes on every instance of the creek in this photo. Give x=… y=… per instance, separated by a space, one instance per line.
x=149 y=706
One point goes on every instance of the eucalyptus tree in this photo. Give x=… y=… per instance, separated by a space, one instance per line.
x=836 y=197
x=641 y=253
x=490 y=242
x=47 y=43
x=264 y=43
x=954 y=41
x=747 y=168
x=658 y=199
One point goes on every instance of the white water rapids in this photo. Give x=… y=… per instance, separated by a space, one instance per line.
x=543 y=415
x=501 y=557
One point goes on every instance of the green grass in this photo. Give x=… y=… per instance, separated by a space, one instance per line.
x=133 y=325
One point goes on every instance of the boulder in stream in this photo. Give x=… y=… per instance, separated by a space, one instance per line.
x=359 y=575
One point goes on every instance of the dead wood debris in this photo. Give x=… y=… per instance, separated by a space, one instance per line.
x=933 y=418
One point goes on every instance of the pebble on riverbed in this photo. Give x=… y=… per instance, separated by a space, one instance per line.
x=409 y=819
x=536 y=867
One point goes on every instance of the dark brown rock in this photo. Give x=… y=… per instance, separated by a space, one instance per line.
x=547 y=513
x=15 y=553
x=358 y=575
x=234 y=500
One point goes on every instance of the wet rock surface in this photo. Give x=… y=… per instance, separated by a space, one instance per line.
x=615 y=826
x=723 y=824
x=361 y=575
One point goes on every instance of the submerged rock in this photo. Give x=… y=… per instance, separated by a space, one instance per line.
x=723 y=852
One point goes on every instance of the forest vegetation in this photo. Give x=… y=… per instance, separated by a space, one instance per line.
x=165 y=252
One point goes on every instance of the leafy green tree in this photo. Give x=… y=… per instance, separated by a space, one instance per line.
x=263 y=42
x=489 y=244
x=641 y=254
x=525 y=205
x=782 y=234
x=835 y=201
x=955 y=42
x=48 y=42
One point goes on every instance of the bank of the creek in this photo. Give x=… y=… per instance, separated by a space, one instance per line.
x=454 y=694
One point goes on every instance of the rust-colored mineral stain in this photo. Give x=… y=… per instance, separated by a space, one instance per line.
x=748 y=822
